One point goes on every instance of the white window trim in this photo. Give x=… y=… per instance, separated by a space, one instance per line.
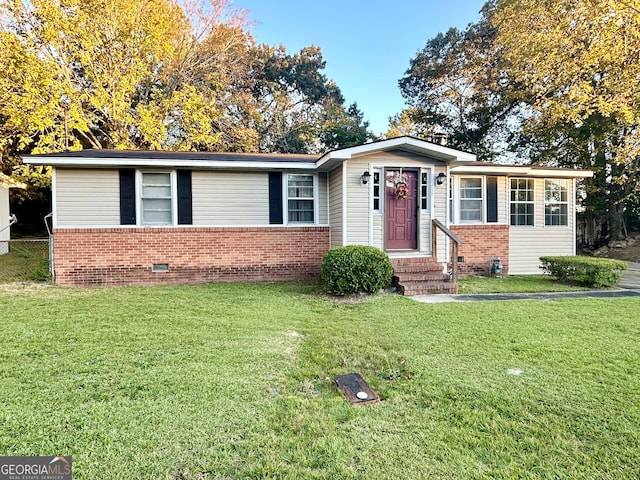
x=285 y=196
x=533 y=202
x=545 y=203
x=430 y=186
x=380 y=172
x=458 y=199
x=174 y=197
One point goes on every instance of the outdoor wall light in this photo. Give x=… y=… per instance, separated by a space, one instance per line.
x=365 y=177
x=440 y=178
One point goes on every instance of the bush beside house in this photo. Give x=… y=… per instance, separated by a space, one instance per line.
x=589 y=271
x=356 y=269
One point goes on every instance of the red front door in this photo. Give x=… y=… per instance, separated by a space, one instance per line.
x=401 y=209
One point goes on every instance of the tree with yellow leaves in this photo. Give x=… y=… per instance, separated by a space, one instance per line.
x=577 y=66
x=109 y=73
x=550 y=81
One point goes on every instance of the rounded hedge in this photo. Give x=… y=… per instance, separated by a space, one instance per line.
x=355 y=269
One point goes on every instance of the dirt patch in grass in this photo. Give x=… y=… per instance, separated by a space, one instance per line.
x=355 y=298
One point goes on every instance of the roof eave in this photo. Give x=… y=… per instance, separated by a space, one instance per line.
x=92 y=162
x=433 y=150
x=521 y=170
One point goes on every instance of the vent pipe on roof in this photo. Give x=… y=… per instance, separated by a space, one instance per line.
x=440 y=138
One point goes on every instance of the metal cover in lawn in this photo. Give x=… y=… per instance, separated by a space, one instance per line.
x=355 y=389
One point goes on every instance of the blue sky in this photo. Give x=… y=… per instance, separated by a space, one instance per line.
x=367 y=45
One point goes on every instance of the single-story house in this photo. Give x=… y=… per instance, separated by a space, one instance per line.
x=150 y=217
x=6 y=220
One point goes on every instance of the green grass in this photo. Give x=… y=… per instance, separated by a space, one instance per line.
x=235 y=381
x=515 y=284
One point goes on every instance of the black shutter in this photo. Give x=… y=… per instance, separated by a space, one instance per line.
x=127 y=196
x=275 y=198
x=185 y=211
x=492 y=199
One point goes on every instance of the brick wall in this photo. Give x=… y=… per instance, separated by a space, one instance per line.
x=125 y=256
x=481 y=244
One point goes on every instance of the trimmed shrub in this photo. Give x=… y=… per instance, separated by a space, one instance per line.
x=589 y=271
x=355 y=269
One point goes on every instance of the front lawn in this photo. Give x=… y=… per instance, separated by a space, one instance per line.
x=235 y=381
x=515 y=284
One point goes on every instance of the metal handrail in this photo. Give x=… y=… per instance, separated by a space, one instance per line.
x=435 y=225
x=12 y=220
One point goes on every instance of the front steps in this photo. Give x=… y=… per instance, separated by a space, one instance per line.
x=421 y=276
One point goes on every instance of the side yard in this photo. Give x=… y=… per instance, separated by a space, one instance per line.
x=24 y=260
x=235 y=381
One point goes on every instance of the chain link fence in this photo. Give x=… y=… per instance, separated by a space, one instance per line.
x=25 y=259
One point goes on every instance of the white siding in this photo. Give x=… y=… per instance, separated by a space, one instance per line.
x=323 y=201
x=87 y=197
x=358 y=219
x=213 y=193
x=378 y=231
x=440 y=211
x=335 y=206
x=528 y=244
x=358 y=203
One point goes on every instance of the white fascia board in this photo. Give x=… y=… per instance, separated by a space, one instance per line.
x=167 y=163
x=338 y=156
x=439 y=152
x=521 y=171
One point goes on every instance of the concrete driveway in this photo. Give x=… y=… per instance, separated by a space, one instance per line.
x=631 y=277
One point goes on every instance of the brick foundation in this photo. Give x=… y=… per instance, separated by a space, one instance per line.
x=125 y=256
x=482 y=243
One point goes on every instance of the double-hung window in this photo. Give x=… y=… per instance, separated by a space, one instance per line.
x=300 y=199
x=156 y=198
x=556 y=204
x=522 y=201
x=471 y=200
